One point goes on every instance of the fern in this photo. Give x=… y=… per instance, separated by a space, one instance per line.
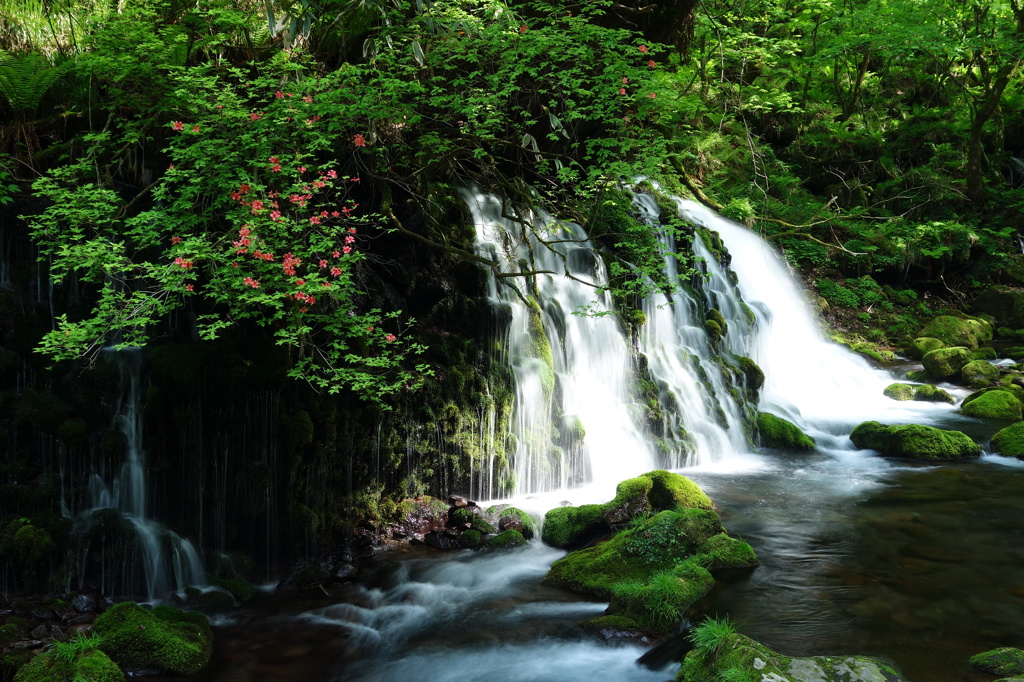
x=25 y=80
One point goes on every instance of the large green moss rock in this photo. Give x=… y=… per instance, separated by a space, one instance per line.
x=946 y=363
x=506 y=540
x=569 y=527
x=1010 y=441
x=995 y=404
x=737 y=657
x=776 y=432
x=922 y=392
x=1003 y=661
x=914 y=441
x=163 y=638
x=523 y=522
x=918 y=347
x=653 y=571
x=979 y=373
x=955 y=331
x=89 y=666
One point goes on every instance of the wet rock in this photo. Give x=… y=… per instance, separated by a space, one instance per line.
x=510 y=523
x=445 y=540
x=43 y=613
x=914 y=441
x=28 y=644
x=85 y=602
x=344 y=571
x=458 y=502
x=1003 y=661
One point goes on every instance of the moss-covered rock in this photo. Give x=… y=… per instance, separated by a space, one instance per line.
x=733 y=656
x=979 y=373
x=995 y=404
x=1013 y=352
x=918 y=347
x=1010 y=441
x=90 y=666
x=934 y=394
x=753 y=374
x=914 y=441
x=1003 y=661
x=946 y=363
x=653 y=571
x=569 y=527
x=900 y=392
x=985 y=353
x=955 y=331
x=506 y=540
x=523 y=522
x=471 y=539
x=469 y=519
x=776 y=432
x=163 y=638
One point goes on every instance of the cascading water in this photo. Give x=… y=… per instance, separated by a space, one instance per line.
x=161 y=559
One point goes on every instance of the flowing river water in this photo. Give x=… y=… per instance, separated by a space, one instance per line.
x=859 y=554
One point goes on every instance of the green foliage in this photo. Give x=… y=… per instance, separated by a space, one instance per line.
x=711 y=636
x=75 y=647
x=163 y=638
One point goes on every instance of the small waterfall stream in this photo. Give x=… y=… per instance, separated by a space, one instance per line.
x=165 y=561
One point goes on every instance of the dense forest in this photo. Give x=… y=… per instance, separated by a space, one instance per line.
x=269 y=198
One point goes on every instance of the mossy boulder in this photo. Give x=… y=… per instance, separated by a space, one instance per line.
x=467 y=518
x=922 y=392
x=776 y=432
x=570 y=527
x=1010 y=441
x=737 y=657
x=89 y=666
x=914 y=441
x=506 y=540
x=946 y=363
x=979 y=373
x=752 y=373
x=517 y=519
x=163 y=638
x=918 y=347
x=985 y=353
x=956 y=331
x=1003 y=661
x=994 y=404
x=1012 y=352
x=653 y=571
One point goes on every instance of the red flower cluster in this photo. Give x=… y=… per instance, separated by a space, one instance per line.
x=252 y=282
x=182 y=263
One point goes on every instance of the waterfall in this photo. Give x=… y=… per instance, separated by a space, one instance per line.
x=594 y=407
x=160 y=558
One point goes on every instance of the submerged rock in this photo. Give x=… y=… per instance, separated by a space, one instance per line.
x=914 y=441
x=1010 y=441
x=736 y=657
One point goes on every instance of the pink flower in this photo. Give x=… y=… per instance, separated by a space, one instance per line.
x=335 y=254
x=622 y=91
x=188 y=287
x=347 y=249
x=178 y=125
x=254 y=116
x=524 y=28
x=302 y=169
x=335 y=271
x=252 y=282
x=651 y=63
x=332 y=173
x=279 y=95
x=257 y=206
x=182 y=263
x=625 y=80
x=273 y=159
x=390 y=338
x=352 y=230
x=175 y=240
x=335 y=214
x=323 y=263
x=314 y=220
x=244 y=188
x=359 y=140
x=195 y=129
x=300 y=282
x=244 y=231
x=275 y=215
x=327 y=285
x=652 y=95
x=276 y=168
x=307 y=98
x=171 y=167
x=643 y=48
x=349 y=239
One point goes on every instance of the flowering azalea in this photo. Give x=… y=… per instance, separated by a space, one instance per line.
x=390 y=337
x=307 y=98
x=651 y=63
x=300 y=282
x=175 y=240
x=302 y=169
x=275 y=215
x=252 y=282
x=335 y=253
x=188 y=287
x=652 y=95
x=178 y=125
x=625 y=80
x=524 y=28
x=279 y=95
x=244 y=188
x=335 y=271
x=622 y=91
x=254 y=116
x=352 y=230
x=332 y=173
x=323 y=263
x=349 y=239
x=195 y=129
x=346 y=249
x=182 y=263
x=359 y=140
x=643 y=48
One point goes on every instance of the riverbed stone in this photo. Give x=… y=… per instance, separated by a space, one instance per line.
x=922 y=392
x=1010 y=441
x=776 y=432
x=914 y=441
x=979 y=373
x=1002 y=661
x=919 y=346
x=946 y=363
x=994 y=404
x=958 y=331
x=740 y=657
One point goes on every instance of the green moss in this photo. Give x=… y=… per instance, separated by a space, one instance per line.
x=979 y=373
x=899 y=391
x=722 y=551
x=670 y=491
x=163 y=638
x=776 y=432
x=996 y=404
x=630 y=501
x=566 y=527
x=1004 y=661
x=506 y=540
x=925 y=392
x=470 y=538
x=985 y=353
x=954 y=331
x=925 y=344
x=714 y=330
x=529 y=529
x=716 y=316
x=241 y=590
x=617 y=623
x=1014 y=352
x=89 y=666
x=918 y=375
x=540 y=346
x=914 y=441
x=753 y=374
x=946 y=363
x=1010 y=441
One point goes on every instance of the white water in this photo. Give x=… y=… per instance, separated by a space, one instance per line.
x=168 y=562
